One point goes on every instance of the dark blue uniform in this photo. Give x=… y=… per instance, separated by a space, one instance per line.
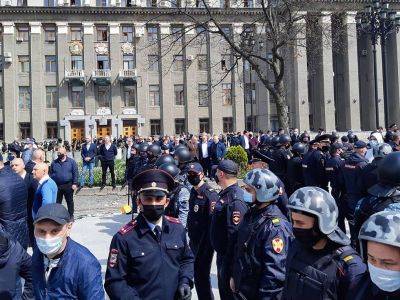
x=201 y=204
x=228 y=213
x=314 y=169
x=369 y=291
x=333 y=273
x=264 y=238
x=140 y=267
x=281 y=158
x=294 y=174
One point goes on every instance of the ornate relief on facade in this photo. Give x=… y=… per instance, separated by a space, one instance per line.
x=76 y=48
x=127 y=48
x=101 y=48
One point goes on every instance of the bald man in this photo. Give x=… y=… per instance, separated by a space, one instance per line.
x=46 y=192
x=38 y=156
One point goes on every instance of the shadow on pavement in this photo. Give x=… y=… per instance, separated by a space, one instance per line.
x=111 y=225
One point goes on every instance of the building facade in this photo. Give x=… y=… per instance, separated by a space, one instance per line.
x=72 y=68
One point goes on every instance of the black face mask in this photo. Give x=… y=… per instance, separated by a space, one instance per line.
x=194 y=179
x=307 y=237
x=216 y=179
x=60 y=156
x=325 y=148
x=153 y=212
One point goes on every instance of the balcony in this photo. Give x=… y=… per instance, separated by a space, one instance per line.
x=75 y=75
x=127 y=75
x=101 y=77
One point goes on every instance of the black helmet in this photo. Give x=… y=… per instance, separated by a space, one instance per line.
x=143 y=147
x=275 y=141
x=389 y=169
x=305 y=137
x=299 y=148
x=136 y=146
x=165 y=159
x=171 y=169
x=183 y=155
x=179 y=147
x=154 y=150
x=284 y=139
x=334 y=136
x=266 y=141
x=352 y=137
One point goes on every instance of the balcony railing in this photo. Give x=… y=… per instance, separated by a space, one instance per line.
x=101 y=76
x=127 y=75
x=75 y=75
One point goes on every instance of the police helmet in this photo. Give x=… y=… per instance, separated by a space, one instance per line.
x=171 y=169
x=143 y=147
x=381 y=150
x=275 y=141
x=305 y=137
x=299 y=148
x=382 y=227
x=284 y=139
x=266 y=141
x=265 y=183
x=136 y=146
x=334 y=136
x=351 y=137
x=183 y=155
x=389 y=169
x=154 y=150
x=179 y=147
x=165 y=159
x=319 y=203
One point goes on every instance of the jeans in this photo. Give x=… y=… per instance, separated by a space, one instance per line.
x=85 y=167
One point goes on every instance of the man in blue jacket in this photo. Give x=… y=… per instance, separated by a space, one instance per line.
x=62 y=268
x=216 y=152
x=88 y=154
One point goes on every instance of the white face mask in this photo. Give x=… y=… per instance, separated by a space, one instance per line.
x=49 y=246
x=386 y=280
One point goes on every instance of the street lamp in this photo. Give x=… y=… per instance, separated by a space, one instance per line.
x=379 y=22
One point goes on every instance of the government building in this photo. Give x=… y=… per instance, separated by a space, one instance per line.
x=71 y=68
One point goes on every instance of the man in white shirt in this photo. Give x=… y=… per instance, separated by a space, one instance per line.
x=204 y=156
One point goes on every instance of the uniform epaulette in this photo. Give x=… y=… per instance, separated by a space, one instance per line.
x=210 y=189
x=276 y=222
x=128 y=227
x=173 y=220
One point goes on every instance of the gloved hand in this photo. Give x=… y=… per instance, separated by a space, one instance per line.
x=184 y=292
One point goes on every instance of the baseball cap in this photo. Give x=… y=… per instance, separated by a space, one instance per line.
x=55 y=212
x=360 y=145
x=195 y=168
x=228 y=166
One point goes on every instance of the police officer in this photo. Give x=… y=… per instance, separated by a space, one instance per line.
x=153 y=152
x=320 y=264
x=183 y=157
x=179 y=196
x=263 y=241
x=380 y=245
x=281 y=157
x=201 y=204
x=295 y=169
x=142 y=149
x=385 y=195
x=228 y=213
x=149 y=257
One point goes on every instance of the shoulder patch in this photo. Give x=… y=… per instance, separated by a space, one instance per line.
x=113 y=258
x=236 y=217
x=277 y=244
x=173 y=220
x=128 y=227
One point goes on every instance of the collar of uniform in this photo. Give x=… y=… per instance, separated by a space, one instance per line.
x=201 y=189
x=228 y=189
x=144 y=226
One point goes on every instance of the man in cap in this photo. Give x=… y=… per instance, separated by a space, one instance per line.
x=149 y=257
x=201 y=205
x=320 y=263
x=380 y=246
x=228 y=213
x=61 y=267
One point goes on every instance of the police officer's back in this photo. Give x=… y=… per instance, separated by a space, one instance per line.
x=320 y=264
x=281 y=157
x=295 y=168
x=149 y=257
x=263 y=241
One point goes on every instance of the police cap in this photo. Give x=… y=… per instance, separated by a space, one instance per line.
x=336 y=146
x=323 y=138
x=228 y=166
x=360 y=145
x=153 y=182
x=195 y=168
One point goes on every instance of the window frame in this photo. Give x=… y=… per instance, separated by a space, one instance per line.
x=25 y=92
x=50 y=63
x=226 y=96
x=206 y=102
x=133 y=91
x=75 y=89
x=154 y=95
x=179 y=95
x=53 y=103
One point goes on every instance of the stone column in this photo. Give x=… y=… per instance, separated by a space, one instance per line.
x=89 y=65
x=393 y=78
x=116 y=65
x=10 y=87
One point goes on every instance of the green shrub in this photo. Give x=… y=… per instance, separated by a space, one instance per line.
x=119 y=173
x=239 y=156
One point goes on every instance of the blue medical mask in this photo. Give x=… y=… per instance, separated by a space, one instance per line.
x=49 y=246
x=386 y=280
x=373 y=143
x=247 y=197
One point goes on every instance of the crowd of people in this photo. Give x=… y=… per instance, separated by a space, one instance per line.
x=316 y=218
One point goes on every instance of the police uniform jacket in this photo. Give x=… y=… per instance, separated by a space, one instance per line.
x=332 y=169
x=140 y=267
x=369 y=291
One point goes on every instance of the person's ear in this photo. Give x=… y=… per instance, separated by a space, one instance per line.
x=167 y=202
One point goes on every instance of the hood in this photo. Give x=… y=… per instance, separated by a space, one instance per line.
x=356 y=158
x=378 y=137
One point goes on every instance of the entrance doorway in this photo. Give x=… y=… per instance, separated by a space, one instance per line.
x=103 y=129
x=77 y=130
x=129 y=128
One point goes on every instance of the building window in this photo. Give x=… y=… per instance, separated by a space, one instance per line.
x=202 y=62
x=227 y=124
x=127 y=34
x=204 y=125
x=76 y=62
x=178 y=63
x=128 y=62
x=203 y=94
x=102 y=34
x=154 y=95
x=75 y=3
x=51 y=97
x=103 y=62
x=23 y=34
x=77 y=96
x=177 y=33
x=129 y=96
x=226 y=94
x=103 y=95
x=25 y=130
x=24 y=63
x=248 y=3
x=101 y=3
x=155 y=127
x=49 y=3
x=50 y=34
x=51 y=63
x=250 y=93
x=52 y=131
x=153 y=63
x=179 y=126
x=76 y=34
x=24 y=97
x=225 y=62
x=249 y=125
x=179 y=97
x=274 y=123
x=152 y=34
x=175 y=3
x=1 y=131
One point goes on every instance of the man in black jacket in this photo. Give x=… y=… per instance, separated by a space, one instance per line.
x=107 y=152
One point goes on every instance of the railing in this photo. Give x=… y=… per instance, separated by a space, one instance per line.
x=101 y=74
x=75 y=74
x=128 y=73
